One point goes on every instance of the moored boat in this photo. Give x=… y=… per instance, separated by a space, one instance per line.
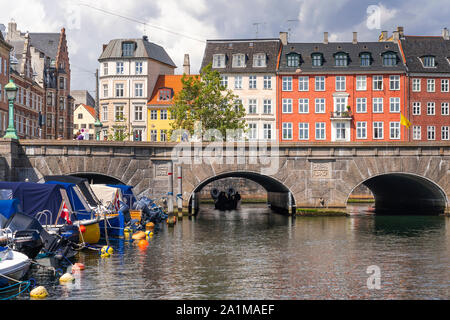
x=13 y=266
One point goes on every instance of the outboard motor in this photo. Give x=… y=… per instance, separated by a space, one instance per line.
x=125 y=211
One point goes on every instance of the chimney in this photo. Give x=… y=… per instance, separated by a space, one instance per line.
x=325 y=37
x=186 y=65
x=445 y=34
x=384 y=35
x=12 y=31
x=355 y=38
x=400 y=31
x=284 y=38
x=397 y=34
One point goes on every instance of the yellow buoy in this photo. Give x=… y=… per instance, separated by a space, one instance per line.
x=107 y=250
x=67 y=277
x=149 y=234
x=39 y=293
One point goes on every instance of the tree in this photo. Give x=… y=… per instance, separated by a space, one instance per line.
x=120 y=130
x=204 y=99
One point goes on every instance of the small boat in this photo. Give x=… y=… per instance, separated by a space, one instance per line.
x=225 y=200
x=13 y=266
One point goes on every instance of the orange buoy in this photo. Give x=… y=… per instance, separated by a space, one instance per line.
x=143 y=244
x=139 y=235
x=150 y=226
x=82 y=229
x=77 y=267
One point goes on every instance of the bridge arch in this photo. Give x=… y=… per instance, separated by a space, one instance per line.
x=97 y=178
x=405 y=193
x=279 y=196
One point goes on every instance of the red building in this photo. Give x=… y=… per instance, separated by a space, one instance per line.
x=4 y=78
x=345 y=91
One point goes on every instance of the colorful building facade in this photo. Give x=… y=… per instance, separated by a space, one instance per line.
x=83 y=121
x=5 y=49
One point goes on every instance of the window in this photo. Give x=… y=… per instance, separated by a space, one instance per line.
x=340 y=83
x=287 y=130
x=163 y=135
x=252 y=131
x=365 y=59
x=428 y=62
x=267 y=82
x=62 y=103
x=361 y=83
x=119 y=89
x=293 y=60
x=303 y=105
x=267 y=106
x=431 y=110
x=80 y=116
x=224 y=81
x=445 y=133
x=119 y=113
x=154 y=115
x=317 y=60
x=303 y=83
x=394 y=128
x=127 y=49
x=105 y=68
x=238 y=60
x=377 y=105
x=431 y=132
x=361 y=105
x=417 y=132
x=138 y=89
x=153 y=135
x=287 y=83
x=389 y=59
x=430 y=85
x=119 y=67
x=416 y=109
x=361 y=130
x=238 y=82
x=377 y=83
x=340 y=60
x=287 y=105
x=320 y=131
x=444 y=85
x=267 y=130
x=394 y=82
x=252 y=82
x=165 y=94
x=340 y=131
x=339 y=104
x=444 y=109
x=137 y=134
x=62 y=83
x=416 y=85
x=320 y=105
x=378 y=130
x=105 y=113
x=163 y=114
x=303 y=131
x=105 y=91
x=320 y=83
x=138 y=65
x=218 y=61
x=394 y=104
x=259 y=60
x=138 y=113
x=252 y=106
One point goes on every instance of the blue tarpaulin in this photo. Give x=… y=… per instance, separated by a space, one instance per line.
x=8 y=207
x=74 y=199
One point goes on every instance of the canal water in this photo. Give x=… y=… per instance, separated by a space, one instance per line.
x=256 y=254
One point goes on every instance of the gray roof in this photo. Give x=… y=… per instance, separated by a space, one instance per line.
x=416 y=47
x=46 y=43
x=144 y=49
x=249 y=47
x=353 y=50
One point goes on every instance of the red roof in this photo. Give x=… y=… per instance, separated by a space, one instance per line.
x=90 y=109
x=166 y=82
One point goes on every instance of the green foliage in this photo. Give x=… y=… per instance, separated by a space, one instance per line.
x=203 y=99
x=119 y=131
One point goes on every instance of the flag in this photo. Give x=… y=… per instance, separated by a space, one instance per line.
x=65 y=214
x=404 y=121
x=116 y=201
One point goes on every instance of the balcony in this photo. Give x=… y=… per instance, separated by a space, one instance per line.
x=341 y=115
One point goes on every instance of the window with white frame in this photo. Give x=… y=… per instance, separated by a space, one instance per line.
x=138 y=113
x=238 y=82
x=361 y=83
x=394 y=104
x=340 y=83
x=431 y=85
x=378 y=130
x=340 y=130
x=153 y=114
x=394 y=82
x=444 y=109
x=377 y=83
x=252 y=106
x=431 y=108
x=287 y=105
x=252 y=131
x=293 y=60
x=218 y=61
x=259 y=60
x=138 y=89
x=417 y=132
x=267 y=82
x=445 y=133
x=287 y=130
x=340 y=104
x=137 y=134
x=287 y=83
x=239 y=60
x=105 y=91
x=119 y=67
x=267 y=131
x=320 y=105
x=377 y=105
x=224 y=81
x=267 y=106
x=138 y=67
x=394 y=129
x=320 y=130
x=361 y=130
x=163 y=114
x=431 y=132
x=252 y=82
x=416 y=85
x=444 y=85
x=153 y=135
x=416 y=109
x=428 y=62
x=105 y=68
x=119 y=115
x=316 y=59
x=303 y=83
x=361 y=105
x=303 y=131
x=320 y=83
x=119 y=90
x=303 y=105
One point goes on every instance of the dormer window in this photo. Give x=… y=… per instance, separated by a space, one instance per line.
x=259 y=60
x=239 y=60
x=127 y=49
x=317 y=59
x=165 y=94
x=293 y=60
x=219 y=61
x=389 y=59
x=340 y=59
x=365 y=59
x=428 y=62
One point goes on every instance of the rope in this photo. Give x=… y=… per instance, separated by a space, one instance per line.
x=11 y=287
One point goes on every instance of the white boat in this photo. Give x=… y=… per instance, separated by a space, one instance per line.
x=13 y=266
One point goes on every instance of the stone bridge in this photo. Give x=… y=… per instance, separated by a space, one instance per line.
x=402 y=176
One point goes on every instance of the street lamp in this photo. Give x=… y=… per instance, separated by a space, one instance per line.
x=11 y=91
x=98 y=126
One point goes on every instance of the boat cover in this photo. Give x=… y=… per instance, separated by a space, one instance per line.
x=108 y=194
x=8 y=207
x=78 y=204
x=127 y=193
x=82 y=183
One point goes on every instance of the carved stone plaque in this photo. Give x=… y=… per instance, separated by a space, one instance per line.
x=321 y=170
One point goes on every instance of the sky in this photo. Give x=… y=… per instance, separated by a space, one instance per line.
x=184 y=26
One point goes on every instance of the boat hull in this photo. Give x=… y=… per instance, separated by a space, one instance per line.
x=15 y=268
x=91 y=235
